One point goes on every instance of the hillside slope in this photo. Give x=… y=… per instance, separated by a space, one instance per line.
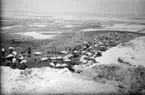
x=131 y=52
x=47 y=80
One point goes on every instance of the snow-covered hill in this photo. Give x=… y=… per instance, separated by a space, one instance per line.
x=131 y=52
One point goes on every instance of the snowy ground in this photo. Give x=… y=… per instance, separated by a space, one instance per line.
x=68 y=26
x=118 y=27
x=37 y=25
x=47 y=80
x=40 y=35
x=132 y=52
x=10 y=27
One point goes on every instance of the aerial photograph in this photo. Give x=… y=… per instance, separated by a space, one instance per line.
x=72 y=47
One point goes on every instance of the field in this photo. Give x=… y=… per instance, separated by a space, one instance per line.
x=51 y=35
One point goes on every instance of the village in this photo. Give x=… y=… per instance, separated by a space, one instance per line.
x=82 y=54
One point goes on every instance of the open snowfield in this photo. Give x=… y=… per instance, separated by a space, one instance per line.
x=40 y=35
x=37 y=25
x=9 y=27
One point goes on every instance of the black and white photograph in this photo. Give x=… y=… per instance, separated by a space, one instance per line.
x=72 y=47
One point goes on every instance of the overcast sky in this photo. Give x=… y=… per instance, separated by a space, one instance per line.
x=92 y=6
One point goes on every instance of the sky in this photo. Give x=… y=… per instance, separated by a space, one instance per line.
x=61 y=6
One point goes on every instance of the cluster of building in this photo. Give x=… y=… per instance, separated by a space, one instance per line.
x=83 y=53
x=10 y=57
